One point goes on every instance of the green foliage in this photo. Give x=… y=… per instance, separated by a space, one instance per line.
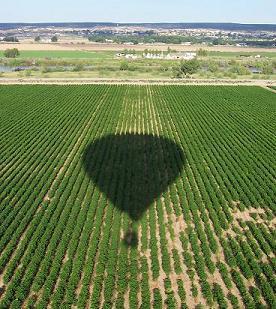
x=186 y=68
x=124 y=66
x=11 y=53
x=62 y=240
x=11 y=39
x=202 y=52
x=157 y=299
x=234 y=301
x=54 y=39
x=219 y=296
x=79 y=67
x=267 y=69
x=239 y=69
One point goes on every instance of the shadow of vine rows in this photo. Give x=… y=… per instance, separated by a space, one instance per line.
x=133 y=170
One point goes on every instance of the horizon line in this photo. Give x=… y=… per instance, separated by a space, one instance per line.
x=147 y=22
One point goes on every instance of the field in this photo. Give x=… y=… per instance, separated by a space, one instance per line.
x=128 y=196
x=64 y=54
x=104 y=64
x=245 y=54
x=105 y=54
x=76 y=45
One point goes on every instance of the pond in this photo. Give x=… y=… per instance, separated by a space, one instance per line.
x=8 y=68
x=5 y=68
x=255 y=70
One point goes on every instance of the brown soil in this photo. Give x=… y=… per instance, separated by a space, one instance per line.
x=1 y=280
x=79 y=81
x=245 y=215
x=90 y=46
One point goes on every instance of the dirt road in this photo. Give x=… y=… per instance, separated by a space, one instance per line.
x=62 y=81
x=89 y=46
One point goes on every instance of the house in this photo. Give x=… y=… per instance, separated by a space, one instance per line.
x=131 y=56
x=186 y=43
x=153 y=56
x=181 y=56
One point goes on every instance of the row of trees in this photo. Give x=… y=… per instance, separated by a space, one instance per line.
x=12 y=39
x=54 y=39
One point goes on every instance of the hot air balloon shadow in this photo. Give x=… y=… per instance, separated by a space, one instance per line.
x=133 y=170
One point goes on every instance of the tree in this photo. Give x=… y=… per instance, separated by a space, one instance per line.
x=37 y=38
x=202 y=52
x=218 y=41
x=54 y=39
x=11 y=39
x=79 y=67
x=267 y=69
x=11 y=53
x=186 y=68
x=124 y=66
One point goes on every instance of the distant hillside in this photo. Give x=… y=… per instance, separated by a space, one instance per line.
x=219 y=26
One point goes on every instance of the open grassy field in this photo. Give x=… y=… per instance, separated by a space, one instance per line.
x=64 y=54
x=86 y=54
x=233 y=54
x=128 y=196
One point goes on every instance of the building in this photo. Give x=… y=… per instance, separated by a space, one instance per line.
x=181 y=56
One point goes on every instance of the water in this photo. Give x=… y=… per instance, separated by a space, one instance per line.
x=51 y=68
x=5 y=68
x=255 y=70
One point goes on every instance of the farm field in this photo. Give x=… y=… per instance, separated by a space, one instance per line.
x=232 y=54
x=106 y=54
x=137 y=196
x=91 y=46
x=64 y=54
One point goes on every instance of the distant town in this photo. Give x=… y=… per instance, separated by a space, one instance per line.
x=139 y=34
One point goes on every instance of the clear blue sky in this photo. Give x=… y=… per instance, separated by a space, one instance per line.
x=244 y=11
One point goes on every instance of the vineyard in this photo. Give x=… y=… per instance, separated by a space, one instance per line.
x=131 y=196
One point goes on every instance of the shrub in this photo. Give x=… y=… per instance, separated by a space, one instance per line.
x=11 y=53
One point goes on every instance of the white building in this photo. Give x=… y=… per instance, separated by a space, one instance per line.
x=182 y=56
x=131 y=56
x=153 y=56
x=173 y=56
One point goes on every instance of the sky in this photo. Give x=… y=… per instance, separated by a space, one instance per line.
x=241 y=11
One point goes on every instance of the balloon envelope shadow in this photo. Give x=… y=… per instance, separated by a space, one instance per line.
x=132 y=170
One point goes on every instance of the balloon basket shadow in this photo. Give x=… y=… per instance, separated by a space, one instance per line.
x=130 y=238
